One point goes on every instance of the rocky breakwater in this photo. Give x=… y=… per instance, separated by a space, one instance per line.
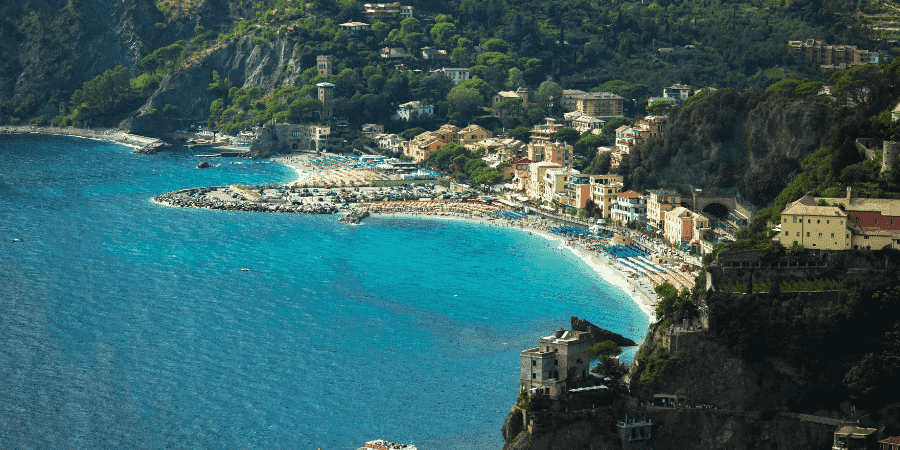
x=599 y=334
x=355 y=216
x=243 y=198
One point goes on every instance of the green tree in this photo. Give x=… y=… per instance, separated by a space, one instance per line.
x=442 y=33
x=521 y=133
x=568 y=135
x=660 y=107
x=605 y=348
x=464 y=100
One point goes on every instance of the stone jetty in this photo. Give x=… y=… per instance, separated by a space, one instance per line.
x=244 y=198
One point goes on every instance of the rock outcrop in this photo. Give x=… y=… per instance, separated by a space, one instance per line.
x=599 y=334
x=240 y=62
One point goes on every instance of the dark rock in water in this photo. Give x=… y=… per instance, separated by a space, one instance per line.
x=355 y=216
x=599 y=334
x=203 y=165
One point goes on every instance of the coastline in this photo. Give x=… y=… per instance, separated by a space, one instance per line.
x=642 y=295
x=640 y=292
x=98 y=134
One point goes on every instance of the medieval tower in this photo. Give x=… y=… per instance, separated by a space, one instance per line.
x=324 y=63
x=326 y=96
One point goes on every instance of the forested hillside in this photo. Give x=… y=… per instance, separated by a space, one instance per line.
x=51 y=48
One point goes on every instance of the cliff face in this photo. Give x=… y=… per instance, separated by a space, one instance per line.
x=748 y=400
x=241 y=63
x=753 y=141
x=48 y=49
x=52 y=47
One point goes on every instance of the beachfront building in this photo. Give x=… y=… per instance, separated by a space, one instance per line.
x=658 y=203
x=555 y=180
x=560 y=360
x=413 y=109
x=604 y=189
x=683 y=226
x=629 y=206
x=521 y=172
x=536 y=182
x=578 y=191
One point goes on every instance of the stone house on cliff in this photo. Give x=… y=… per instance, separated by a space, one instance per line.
x=561 y=359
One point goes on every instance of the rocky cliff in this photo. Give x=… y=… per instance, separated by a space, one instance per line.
x=599 y=334
x=240 y=62
x=731 y=404
x=753 y=141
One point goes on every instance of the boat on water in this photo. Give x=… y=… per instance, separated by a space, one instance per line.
x=381 y=444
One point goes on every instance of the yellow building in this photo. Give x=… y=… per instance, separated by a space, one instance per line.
x=658 y=202
x=817 y=227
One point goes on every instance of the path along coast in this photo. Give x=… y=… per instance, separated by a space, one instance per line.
x=100 y=134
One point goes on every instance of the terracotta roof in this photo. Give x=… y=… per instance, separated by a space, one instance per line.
x=629 y=194
x=890 y=440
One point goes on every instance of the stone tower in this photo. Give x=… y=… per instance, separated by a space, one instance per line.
x=523 y=94
x=324 y=63
x=889 y=156
x=326 y=96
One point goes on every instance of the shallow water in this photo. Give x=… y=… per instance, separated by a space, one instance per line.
x=130 y=324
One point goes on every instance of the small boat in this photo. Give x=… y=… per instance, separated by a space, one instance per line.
x=244 y=269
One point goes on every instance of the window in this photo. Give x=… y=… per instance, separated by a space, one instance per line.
x=832 y=234
x=808 y=220
x=548 y=348
x=785 y=220
x=827 y=222
x=840 y=222
x=876 y=221
x=818 y=221
x=786 y=233
x=798 y=233
x=820 y=234
x=807 y=234
x=555 y=362
x=795 y=219
x=533 y=362
x=533 y=376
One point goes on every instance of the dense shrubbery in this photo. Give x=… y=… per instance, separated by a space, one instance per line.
x=463 y=165
x=849 y=343
x=765 y=286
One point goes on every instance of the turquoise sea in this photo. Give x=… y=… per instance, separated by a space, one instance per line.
x=127 y=324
